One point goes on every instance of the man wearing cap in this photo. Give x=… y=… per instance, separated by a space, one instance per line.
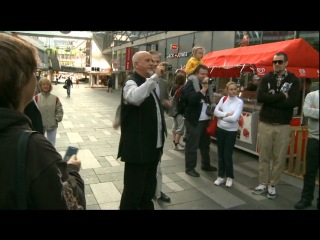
x=253 y=84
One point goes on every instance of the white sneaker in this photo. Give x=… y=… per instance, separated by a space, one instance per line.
x=262 y=188
x=219 y=181
x=178 y=147
x=271 y=192
x=229 y=182
x=182 y=145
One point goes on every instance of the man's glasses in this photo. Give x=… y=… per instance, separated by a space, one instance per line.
x=280 y=62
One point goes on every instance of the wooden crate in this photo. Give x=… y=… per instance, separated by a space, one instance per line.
x=296 y=162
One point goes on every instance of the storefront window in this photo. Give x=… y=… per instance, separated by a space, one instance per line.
x=275 y=36
x=248 y=38
x=312 y=37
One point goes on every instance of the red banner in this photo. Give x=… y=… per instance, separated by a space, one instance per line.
x=128 y=58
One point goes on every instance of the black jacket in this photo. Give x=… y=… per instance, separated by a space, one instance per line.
x=33 y=112
x=193 y=103
x=138 y=140
x=45 y=169
x=276 y=108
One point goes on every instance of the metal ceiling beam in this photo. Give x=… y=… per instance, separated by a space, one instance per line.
x=51 y=34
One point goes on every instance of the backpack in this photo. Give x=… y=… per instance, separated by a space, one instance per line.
x=181 y=101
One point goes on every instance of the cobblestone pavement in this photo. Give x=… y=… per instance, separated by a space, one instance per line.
x=87 y=124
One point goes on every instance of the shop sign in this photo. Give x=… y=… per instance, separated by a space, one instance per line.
x=178 y=55
x=128 y=58
x=174 y=46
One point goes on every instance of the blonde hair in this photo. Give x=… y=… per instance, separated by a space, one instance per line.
x=229 y=84
x=195 y=49
x=45 y=81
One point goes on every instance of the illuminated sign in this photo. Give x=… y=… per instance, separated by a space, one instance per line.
x=178 y=55
x=174 y=46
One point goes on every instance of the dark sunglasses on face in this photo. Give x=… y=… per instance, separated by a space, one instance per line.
x=280 y=62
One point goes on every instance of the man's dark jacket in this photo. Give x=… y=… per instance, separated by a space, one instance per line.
x=193 y=103
x=139 y=129
x=276 y=107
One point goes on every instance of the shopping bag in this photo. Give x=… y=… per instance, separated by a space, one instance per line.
x=65 y=86
x=212 y=127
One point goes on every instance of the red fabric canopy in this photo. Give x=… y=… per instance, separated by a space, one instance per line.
x=303 y=59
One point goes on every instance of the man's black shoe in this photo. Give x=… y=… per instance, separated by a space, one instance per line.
x=193 y=173
x=302 y=204
x=164 y=197
x=210 y=169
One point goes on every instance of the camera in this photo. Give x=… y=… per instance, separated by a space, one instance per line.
x=168 y=67
x=211 y=80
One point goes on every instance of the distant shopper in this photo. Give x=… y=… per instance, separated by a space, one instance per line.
x=110 y=84
x=69 y=84
x=50 y=108
x=311 y=111
x=279 y=92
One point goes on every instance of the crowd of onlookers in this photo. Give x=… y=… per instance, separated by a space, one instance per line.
x=49 y=182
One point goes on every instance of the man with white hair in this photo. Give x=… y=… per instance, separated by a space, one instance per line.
x=143 y=132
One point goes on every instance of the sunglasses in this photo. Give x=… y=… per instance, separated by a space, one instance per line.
x=280 y=62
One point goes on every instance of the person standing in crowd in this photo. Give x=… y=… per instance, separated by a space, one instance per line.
x=51 y=183
x=178 y=119
x=192 y=63
x=163 y=94
x=253 y=84
x=50 y=108
x=162 y=88
x=279 y=92
x=311 y=111
x=69 y=84
x=143 y=132
x=228 y=112
x=196 y=122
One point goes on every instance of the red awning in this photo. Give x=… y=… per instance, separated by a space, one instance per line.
x=303 y=59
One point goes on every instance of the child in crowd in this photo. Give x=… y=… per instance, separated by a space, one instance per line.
x=192 y=63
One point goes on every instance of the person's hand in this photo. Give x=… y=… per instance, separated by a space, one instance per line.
x=166 y=103
x=229 y=114
x=116 y=124
x=75 y=161
x=205 y=86
x=161 y=68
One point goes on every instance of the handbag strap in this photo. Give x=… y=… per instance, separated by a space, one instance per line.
x=21 y=185
x=224 y=98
